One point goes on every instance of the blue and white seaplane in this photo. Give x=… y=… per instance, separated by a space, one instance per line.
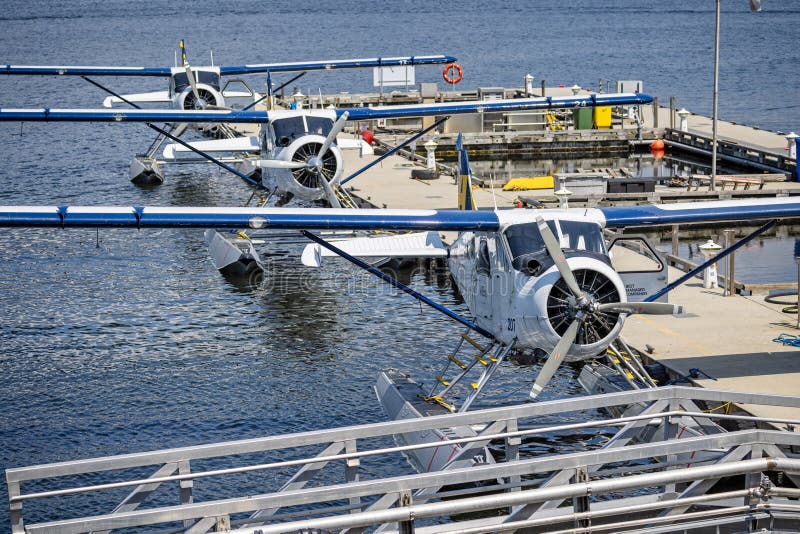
x=201 y=88
x=532 y=279
x=298 y=149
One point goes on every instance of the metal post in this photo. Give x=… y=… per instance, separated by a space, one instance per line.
x=655 y=112
x=714 y=118
x=798 y=292
x=543 y=89
x=406 y=527
x=672 y=109
x=730 y=290
x=675 y=228
x=580 y=505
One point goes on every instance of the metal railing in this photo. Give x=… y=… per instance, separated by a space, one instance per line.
x=645 y=453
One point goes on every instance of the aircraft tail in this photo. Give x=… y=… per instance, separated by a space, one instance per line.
x=465 y=199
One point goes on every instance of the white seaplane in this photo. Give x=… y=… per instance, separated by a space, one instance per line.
x=298 y=149
x=532 y=279
x=201 y=88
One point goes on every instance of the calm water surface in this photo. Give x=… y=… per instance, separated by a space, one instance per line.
x=126 y=341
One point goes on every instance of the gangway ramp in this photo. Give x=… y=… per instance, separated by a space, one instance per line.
x=618 y=483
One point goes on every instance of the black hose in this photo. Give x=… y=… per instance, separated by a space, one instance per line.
x=791 y=305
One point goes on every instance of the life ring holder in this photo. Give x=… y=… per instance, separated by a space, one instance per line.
x=452 y=68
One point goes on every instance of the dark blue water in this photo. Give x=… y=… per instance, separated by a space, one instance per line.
x=138 y=343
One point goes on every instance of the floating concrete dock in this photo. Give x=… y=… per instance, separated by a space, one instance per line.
x=729 y=338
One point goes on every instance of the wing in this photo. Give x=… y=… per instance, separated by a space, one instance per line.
x=372 y=219
x=234 y=144
x=388 y=219
x=365 y=113
x=696 y=212
x=237 y=218
x=77 y=70
x=339 y=64
x=485 y=106
x=416 y=245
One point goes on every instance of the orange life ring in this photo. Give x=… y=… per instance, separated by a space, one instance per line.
x=449 y=68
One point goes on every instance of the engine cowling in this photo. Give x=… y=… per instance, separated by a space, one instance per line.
x=209 y=96
x=304 y=182
x=554 y=302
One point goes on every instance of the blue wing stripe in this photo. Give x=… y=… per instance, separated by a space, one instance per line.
x=520 y=104
x=131 y=115
x=338 y=64
x=689 y=212
x=266 y=218
x=416 y=110
x=74 y=70
x=77 y=70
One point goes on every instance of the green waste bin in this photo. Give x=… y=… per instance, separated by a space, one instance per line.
x=582 y=117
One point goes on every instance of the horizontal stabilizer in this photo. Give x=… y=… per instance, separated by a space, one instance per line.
x=355 y=144
x=153 y=96
x=417 y=245
x=237 y=144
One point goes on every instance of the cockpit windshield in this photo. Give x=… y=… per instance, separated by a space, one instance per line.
x=288 y=129
x=180 y=80
x=573 y=235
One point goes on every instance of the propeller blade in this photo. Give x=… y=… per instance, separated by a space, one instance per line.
x=648 y=308
x=337 y=127
x=330 y=194
x=554 y=360
x=192 y=82
x=279 y=164
x=554 y=249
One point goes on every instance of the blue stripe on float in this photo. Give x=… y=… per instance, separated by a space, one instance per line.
x=623 y=216
x=102 y=217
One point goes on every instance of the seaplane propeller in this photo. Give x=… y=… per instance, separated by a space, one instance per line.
x=200 y=97
x=313 y=164
x=584 y=311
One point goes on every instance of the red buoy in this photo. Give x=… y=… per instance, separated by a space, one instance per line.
x=658 y=144
x=368 y=136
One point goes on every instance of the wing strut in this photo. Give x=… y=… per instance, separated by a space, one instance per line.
x=715 y=259
x=271 y=91
x=395 y=149
x=399 y=285
x=165 y=133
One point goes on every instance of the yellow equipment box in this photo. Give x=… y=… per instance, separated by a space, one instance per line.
x=602 y=118
x=534 y=182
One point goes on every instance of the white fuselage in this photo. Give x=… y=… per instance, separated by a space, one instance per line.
x=497 y=276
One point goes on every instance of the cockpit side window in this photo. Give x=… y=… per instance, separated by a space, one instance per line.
x=482 y=264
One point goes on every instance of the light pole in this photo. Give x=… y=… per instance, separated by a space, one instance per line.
x=714 y=111
x=755 y=5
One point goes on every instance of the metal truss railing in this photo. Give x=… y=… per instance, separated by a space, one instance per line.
x=652 y=449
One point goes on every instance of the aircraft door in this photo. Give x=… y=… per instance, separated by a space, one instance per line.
x=641 y=266
x=483 y=277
